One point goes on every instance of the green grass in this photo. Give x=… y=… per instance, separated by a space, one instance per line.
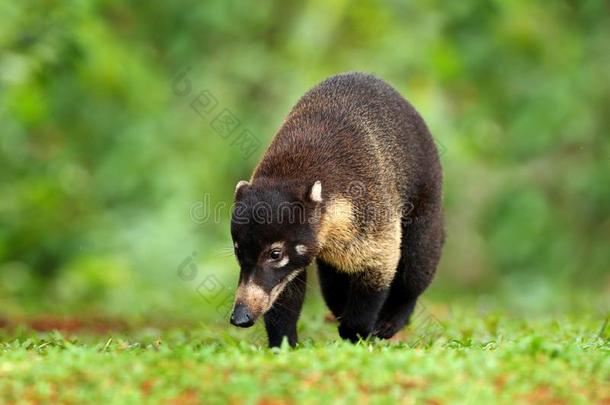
x=454 y=356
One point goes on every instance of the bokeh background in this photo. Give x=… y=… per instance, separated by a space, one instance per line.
x=116 y=182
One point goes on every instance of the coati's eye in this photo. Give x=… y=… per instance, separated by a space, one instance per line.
x=275 y=254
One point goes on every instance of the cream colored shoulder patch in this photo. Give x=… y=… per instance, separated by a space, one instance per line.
x=338 y=222
x=345 y=248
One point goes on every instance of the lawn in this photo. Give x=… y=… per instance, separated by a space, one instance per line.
x=447 y=355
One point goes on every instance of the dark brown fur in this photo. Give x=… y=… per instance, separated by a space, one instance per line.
x=377 y=233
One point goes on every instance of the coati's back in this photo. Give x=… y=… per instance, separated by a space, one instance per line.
x=362 y=139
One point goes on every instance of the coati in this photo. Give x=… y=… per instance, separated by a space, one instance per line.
x=353 y=181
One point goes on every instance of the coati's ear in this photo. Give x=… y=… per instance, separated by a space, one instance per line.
x=240 y=186
x=315 y=192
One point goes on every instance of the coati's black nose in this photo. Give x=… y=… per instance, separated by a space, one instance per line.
x=242 y=316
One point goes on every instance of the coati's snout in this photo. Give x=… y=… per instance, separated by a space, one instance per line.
x=274 y=236
x=242 y=316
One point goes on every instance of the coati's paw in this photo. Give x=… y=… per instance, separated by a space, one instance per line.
x=279 y=340
x=386 y=329
x=353 y=333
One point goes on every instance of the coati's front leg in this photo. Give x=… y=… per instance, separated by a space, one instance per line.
x=335 y=287
x=395 y=313
x=364 y=301
x=281 y=319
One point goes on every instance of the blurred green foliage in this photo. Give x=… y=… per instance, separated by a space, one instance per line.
x=102 y=159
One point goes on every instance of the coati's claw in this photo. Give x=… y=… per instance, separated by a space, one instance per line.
x=386 y=329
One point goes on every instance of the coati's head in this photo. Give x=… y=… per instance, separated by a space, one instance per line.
x=274 y=228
